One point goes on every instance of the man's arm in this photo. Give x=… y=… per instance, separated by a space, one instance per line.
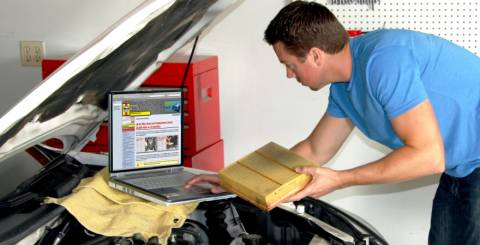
x=325 y=140
x=421 y=155
x=320 y=146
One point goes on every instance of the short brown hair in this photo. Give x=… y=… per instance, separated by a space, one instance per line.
x=302 y=25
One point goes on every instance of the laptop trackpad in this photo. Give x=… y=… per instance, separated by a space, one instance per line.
x=172 y=192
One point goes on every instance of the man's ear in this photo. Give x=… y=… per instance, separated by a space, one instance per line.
x=317 y=55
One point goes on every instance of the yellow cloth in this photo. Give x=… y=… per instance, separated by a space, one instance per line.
x=109 y=212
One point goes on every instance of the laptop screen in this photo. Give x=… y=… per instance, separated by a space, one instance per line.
x=145 y=129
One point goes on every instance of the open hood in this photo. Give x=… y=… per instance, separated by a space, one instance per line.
x=72 y=102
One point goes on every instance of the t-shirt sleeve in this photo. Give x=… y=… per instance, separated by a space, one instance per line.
x=394 y=80
x=333 y=109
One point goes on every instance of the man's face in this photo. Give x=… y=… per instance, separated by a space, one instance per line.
x=305 y=69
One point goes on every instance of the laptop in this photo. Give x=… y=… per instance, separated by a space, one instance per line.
x=145 y=148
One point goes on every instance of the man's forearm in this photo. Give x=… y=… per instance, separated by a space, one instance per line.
x=325 y=140
x=305 y=149
x=403 y=164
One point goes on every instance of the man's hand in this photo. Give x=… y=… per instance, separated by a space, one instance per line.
x=324 y=180
x=206 y=178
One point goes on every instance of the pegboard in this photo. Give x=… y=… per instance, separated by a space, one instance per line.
x=456 y=21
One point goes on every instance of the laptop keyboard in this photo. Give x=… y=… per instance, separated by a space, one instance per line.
x=160 y=181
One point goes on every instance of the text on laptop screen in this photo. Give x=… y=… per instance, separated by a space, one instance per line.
x=146 y=129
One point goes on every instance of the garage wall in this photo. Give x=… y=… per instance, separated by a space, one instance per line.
x=258 y=103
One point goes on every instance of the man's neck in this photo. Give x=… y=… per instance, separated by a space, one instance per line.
x=341 y=65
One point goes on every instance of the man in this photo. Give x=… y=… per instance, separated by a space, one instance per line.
x=415 y=93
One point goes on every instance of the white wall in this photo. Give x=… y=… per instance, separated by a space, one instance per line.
x=258 y=103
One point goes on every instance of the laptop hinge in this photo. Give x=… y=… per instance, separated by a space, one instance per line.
x=146 y=172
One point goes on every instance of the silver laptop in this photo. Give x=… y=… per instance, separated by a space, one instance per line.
x=145 y=156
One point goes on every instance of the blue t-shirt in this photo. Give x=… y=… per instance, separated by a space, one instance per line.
x=395 y=70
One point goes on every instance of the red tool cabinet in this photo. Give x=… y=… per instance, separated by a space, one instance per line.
x=201 y=109
x=203 y=146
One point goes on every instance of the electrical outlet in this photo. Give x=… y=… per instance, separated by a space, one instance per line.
x=32 y=52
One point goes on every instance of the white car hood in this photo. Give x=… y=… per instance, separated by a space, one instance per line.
x=72 y=102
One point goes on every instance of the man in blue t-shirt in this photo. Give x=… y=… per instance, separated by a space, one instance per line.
x=413 y=92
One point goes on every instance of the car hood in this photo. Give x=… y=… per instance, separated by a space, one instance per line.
x=71 y=103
